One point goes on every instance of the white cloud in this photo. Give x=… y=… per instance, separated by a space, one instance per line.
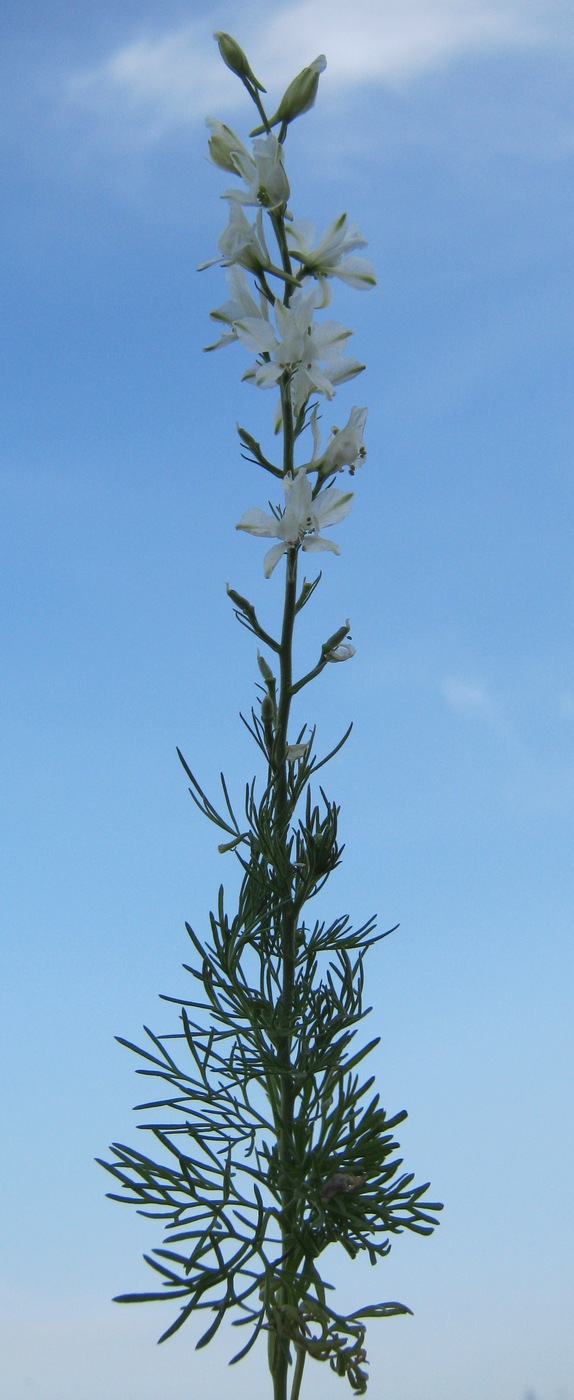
x=160 y=81
x=393 y=40
x=470 y=699
x=171 y=79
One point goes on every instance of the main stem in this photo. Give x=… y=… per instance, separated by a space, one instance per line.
x=287 y=921
x=286 y=913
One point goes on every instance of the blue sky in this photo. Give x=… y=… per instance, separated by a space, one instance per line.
x=446 y=129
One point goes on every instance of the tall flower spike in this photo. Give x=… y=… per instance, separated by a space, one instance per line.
x=269 y=1183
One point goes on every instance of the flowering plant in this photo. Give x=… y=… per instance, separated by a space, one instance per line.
x=275 y=1147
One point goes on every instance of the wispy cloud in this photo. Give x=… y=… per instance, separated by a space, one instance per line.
x=169 y=79
x=467 y=698
x=160 y=82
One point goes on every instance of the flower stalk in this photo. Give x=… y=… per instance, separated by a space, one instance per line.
x=274 y=1147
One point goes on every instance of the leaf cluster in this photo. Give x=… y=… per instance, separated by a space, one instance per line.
x=247 y=1220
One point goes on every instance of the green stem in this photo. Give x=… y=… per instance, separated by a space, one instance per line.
x=287 y=915
x=298 y=1375
x=254 y=95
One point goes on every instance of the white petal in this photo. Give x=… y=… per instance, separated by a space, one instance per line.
x=300 y=235
x=258 y=522
x=344 y=652
x=329 y=333
x=332 y=505
x=356 y=272
x=312 y=544
x=255 y=333
x=272 y=558
x=298 y=493
x=223 y=340
x=319 y=381
x=343 y=368
x=294 y=752
x=266 y=375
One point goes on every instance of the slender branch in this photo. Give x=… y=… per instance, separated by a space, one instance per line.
x=298 y=685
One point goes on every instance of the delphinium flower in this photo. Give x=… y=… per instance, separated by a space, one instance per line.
x=301 y=521
x=332 y=256
x=310 y=351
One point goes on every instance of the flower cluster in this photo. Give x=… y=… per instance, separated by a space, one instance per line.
x=275 y=316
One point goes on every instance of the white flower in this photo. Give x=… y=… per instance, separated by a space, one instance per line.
x=343 y=652
x=294 y=752
x=263 y=173
x=242 y=242
x=241 y=304
x=339 y=647
x=298 y=347
x=301 y=520
x=345 y=446
x=273 y=185
x=225 y=148
x=332 y=256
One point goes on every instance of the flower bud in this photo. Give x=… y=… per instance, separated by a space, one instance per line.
x=240 y=602
x=235 y=58
x=265 y=669
x=225 y=147
x=232 y=845
x=301 y=93
x=332 y=649
x=299 y=96
x=267 y=710
x=332 y=643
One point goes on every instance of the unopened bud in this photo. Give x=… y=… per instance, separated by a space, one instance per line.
x=225 y=148
x=267 y=709
x=333 y=642
x=265 y=669
x=299 y=96
x=239 y=602
x=232 y=845
x=235 y=58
